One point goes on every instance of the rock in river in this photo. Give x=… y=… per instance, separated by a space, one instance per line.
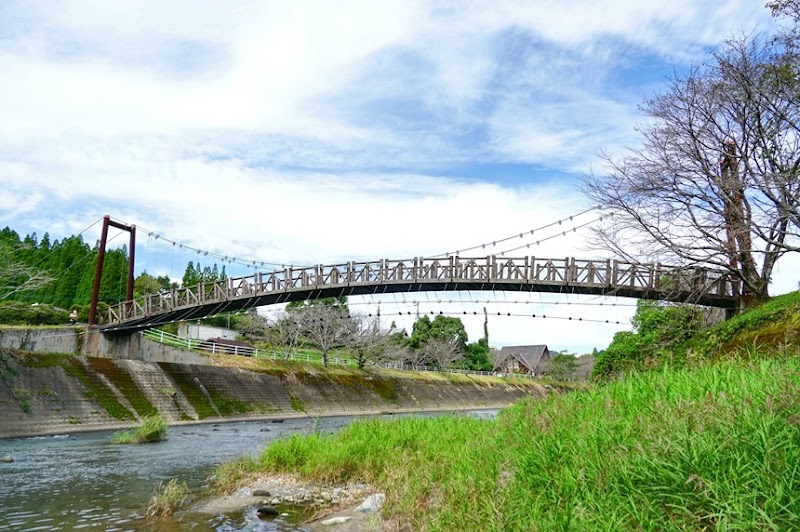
x=267 y=511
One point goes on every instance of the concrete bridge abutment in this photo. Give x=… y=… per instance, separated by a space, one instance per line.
x=92 y=342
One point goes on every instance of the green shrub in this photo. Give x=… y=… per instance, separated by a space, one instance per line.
x=171 y=328
x=19 y=313
x=152 y=429
x=659 y=331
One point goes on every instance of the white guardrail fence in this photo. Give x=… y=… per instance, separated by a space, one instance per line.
x=213 y=348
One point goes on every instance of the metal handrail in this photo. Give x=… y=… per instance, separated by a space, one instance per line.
x=211 y=348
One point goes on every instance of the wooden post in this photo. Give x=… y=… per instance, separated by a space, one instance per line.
x=131 y=254
x=98 y=271
x=568 y=264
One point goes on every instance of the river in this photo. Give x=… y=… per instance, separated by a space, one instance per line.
x=81 y=482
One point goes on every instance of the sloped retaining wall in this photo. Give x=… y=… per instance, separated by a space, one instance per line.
x=50 y=393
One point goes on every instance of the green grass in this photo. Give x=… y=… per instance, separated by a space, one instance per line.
x=152 y=429
x=713 y=447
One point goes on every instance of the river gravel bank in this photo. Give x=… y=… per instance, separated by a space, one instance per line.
x=340 y=508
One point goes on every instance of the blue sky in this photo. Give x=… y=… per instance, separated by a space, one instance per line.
x=308 y=132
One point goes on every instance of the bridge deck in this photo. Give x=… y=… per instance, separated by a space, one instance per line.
x=568 y=275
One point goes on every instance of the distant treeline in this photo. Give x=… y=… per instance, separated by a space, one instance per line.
x=64 y=272
x=69 y=266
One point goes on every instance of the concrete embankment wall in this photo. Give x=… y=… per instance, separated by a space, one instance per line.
x=45 y=393
x=44 y=339
x=81 y=340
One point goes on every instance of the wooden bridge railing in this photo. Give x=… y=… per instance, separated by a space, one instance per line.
x=674 y=283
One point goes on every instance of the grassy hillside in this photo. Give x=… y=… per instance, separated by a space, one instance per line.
x=770 y=327
x=706 y=446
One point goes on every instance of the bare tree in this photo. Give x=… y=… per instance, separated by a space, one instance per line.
x=716 y=179
x=17 y=277
x=416 y=357
x=327 y=327
x=398 y=353
x=785 y=8
x=441 y=351
x=286 y=334
x=367 y=342
x=494 y=357
x=252 y=325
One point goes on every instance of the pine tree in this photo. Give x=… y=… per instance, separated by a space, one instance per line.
x=191 y=276
x=72 y=260
x=113 y=284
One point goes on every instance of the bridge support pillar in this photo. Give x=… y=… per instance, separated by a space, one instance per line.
x=101 y=255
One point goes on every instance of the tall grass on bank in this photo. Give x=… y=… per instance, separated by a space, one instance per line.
x=152 y=429
x=167 y=498
x=716 y=447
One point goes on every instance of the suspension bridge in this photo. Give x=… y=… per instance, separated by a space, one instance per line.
x=569 y=275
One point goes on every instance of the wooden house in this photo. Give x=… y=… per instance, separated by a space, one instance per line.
x=530 y=359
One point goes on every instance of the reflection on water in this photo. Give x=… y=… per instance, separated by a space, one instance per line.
x=81 y=482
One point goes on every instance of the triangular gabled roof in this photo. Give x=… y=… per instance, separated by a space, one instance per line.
x=528 y=355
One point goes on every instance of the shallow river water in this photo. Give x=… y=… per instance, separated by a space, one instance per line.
x=81 y=482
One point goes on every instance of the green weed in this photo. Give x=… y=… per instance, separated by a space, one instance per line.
x=152 y=429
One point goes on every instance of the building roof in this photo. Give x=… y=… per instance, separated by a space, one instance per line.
x=528 y=355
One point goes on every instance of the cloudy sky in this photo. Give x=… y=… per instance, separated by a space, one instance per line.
x=320 y=132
